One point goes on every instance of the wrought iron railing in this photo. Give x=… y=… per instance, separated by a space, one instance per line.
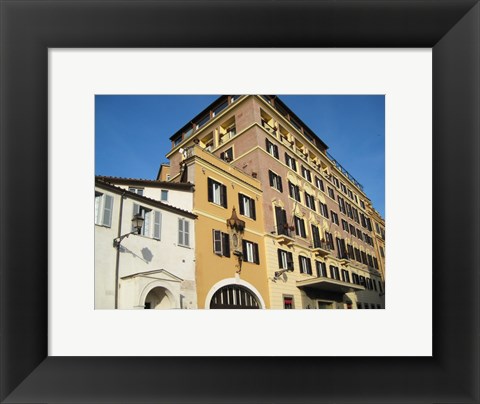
x=344 y=171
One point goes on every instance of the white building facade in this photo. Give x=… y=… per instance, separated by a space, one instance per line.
x=154 y=269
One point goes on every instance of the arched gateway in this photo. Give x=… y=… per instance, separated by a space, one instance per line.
x=234 y=297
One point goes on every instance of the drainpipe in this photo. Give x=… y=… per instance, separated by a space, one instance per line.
x=117 y=262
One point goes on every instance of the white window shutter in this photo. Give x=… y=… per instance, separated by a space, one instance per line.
x=186 y=230
x=157 y=226
x=107 y=211
x=180 y=231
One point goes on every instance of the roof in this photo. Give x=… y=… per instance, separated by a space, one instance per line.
x=140 y=198
x=276 y=99
x=181 y=186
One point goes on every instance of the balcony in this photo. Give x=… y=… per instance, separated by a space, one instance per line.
x=270 y=129
x=344 y=259
x=321 y=249
x=284 y=236
x=325 y=284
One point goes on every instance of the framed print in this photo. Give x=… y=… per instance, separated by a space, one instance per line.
x=30 y=373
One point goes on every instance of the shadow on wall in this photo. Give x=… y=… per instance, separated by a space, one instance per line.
x=146 y=257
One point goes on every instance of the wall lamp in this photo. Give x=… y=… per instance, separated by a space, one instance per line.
x=137 y=223
x=281 y=272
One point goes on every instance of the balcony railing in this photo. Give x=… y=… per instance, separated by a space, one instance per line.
x=344 y=171
x=321 y=248
x=284 y=234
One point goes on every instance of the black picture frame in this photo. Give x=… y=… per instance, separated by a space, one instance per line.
x=29 y=28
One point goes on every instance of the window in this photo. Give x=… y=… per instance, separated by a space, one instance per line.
x=343 y=187
x=316 y=237
x=152 y=221
x=281 y=218
x=300 y=227
x=138 y=191
x=202 y=121
x=227 y=155
x=380 y=286
x=168 y=177
x=272 y=148
x=358 y=256
x=219 y=108
x=370 y=260
x=288 y=302
x=355 y=279
x=305 y=265
x=291 y=162
x=164 y=195
x=103 y=209
x=250 y=252
x=355 y=215
x=382 y=253
x=342 y=250
x=374 y=284
x=285 y=259
x=369 y=223
x=217 y=193
x=334 y=273
x=362 y=281
x=359 y=234
x=375 y=262
x=323 y=210
x=367 y=306
x=352 y=230
x=334 y=217
x=329 y=240
x=321 y=269
x=183 y=232
x=350 y=194
x=362 y=204
x=351 y=254
x=369 y=284
x=345 y=276
x=247 y=206
x=341 y=204
x=221 y=243
x=364 y=257
x=335 y=181
x=275 y=181
x=348 y=207
x=309 y=201
x=345 y=225
x=294 y=191
x=331 y=194
x=319 y=184
x=359 y=305
x=306 y=174
x=377 y=228
x=363 y=219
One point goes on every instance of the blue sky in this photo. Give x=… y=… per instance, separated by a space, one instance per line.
x=132 y=132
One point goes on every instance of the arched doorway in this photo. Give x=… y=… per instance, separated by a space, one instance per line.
x=234 y=297
x=157 y=298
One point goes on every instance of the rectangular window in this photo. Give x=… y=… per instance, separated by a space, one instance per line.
x=341 y=204
x=275 y=181
x=351 y=254
x=321 y=269
x=138 y=191
x=288 y=302
x=382 y=253
x=358 y=256
x=164 y=195
x=294 y=191
x=355 y=279
x=352 y=230
x=350 y=194
x=342 y=250
x=217 y=193
x=247 y=206
x=103 y=209
x=151 y=221
x=380 y=286
x=329 y=240
x=319 y=184
x=250 y=252
x=183 y=232
x=300 y=227
x=323 y=210
x=221 y=243
x=355 y=215
x=335 y=181
x=306 y=174
x=334 y=272
x=343 y=187
x=345 y=225
x=271 y=148
x=305 y=265
x=331 y=194
x=285 y=259
x=309 y=201
x=359 y=234
x=370 y=260
x=345 y=276
x=290 y=162
x=362 y=204
x=348 y=208
x=362 y=281
x=364 y=257
x=227 y=155
x=316 y=237
x=334 y=217
x=375 y=262
x=281 y=218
